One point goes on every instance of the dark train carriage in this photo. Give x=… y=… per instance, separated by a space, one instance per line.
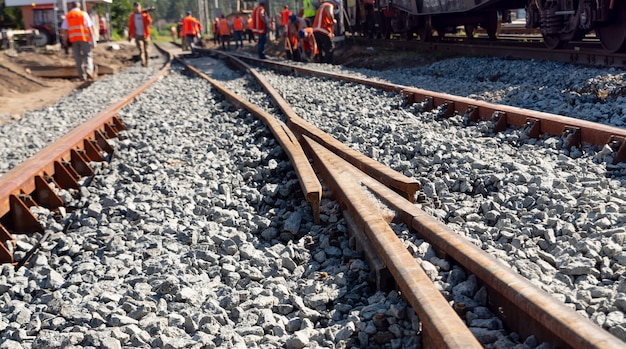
x=560 y=21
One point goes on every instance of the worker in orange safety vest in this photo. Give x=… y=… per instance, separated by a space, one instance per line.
x=292 y=51
x=238 y=27
x=248 y=29
x=308 y=44
x=139 y=23
x=78 y=31
x=260 y=25
x=323 y=29
x=284 y=18
x=191 y=29
x=224 y=29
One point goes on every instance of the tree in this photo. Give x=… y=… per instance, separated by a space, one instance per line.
x=120 y=11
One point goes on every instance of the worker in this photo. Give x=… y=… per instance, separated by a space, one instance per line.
x=78 y=31
x=139 y=29
x=284 y=18
x=310 y=9
x=102 y=29
x=295 y=24
x=216 y=33
x=183 y=39
x=292 y=50
x=191 y=30
x=174 y=33
x=238 y=27
x=323 y=29
x=308 y=45
x=224 y=30
x=249 y=32
x=260 y=25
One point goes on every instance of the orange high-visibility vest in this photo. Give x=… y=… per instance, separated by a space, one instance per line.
x=308 y=42
x=77 y=29
x=191 y=26
x=284 y=16
x=324 y=20
x=258 y=23
x=292 y=38
x=238 y=23
x=224 y=27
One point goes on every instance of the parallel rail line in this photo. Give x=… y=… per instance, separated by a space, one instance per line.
x=581 y=53
x=537 y=124
x=61 y=165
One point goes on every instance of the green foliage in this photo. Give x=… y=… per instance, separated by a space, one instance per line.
x=120 y=12
x=164 y=35
x=117 y=37
x=11 y=17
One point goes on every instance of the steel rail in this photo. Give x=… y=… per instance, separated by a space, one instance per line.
x=309 y=183
x=538 y=124
x=408 y=186
x=61 y=164
x=522 y=306
x=582 y=53
x=442 y=327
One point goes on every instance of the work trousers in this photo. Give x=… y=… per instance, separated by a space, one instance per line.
x=325 y=46
x=261 y=47
x=225 y=42
x=191 y=41
x=142 y=45
x=238 y=38
x=83 y=56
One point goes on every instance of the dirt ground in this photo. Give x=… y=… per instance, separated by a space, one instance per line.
x=21 y=91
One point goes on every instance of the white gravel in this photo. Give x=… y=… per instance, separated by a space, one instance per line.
x=196 y=234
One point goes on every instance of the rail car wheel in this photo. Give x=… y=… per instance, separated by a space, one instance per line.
x=553 y=41
x=469 y=30
x=425 y=29
x=491 y=25
x=613 y=36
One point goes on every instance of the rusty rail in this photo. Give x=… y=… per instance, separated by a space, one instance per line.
x=61 y=164
x=308 y=179
x=575 y=131
x=524 y=307
x=407 y=186
x=442 y=327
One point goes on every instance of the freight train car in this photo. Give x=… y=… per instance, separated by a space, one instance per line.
x=560 y=21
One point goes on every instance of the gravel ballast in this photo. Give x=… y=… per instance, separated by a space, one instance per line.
x=197 y=235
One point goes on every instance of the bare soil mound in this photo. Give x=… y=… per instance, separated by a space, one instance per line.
x=21 y=91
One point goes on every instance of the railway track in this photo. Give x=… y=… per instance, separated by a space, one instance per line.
x=584 y=53
x=523 y=307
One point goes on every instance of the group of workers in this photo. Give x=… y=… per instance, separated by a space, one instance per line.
x=79 y=33
x=307 y=38
x=224 y=30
